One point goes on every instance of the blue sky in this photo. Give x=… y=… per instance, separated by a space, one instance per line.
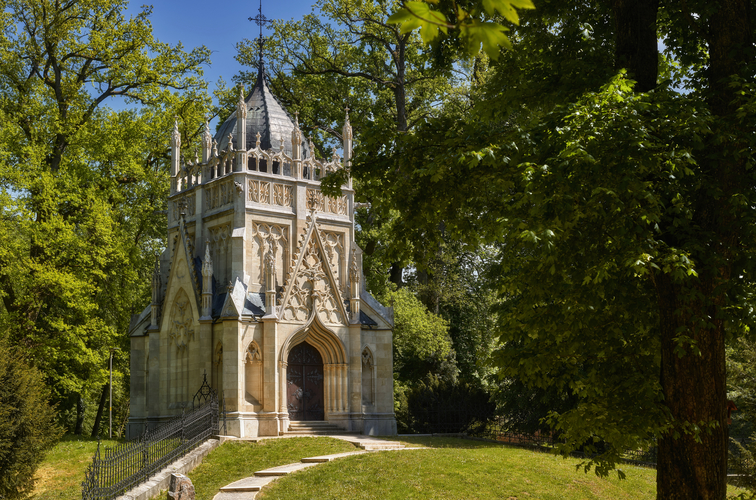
x=218 y=25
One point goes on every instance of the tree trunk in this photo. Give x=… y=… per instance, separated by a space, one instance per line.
x=636 y=39
x=79 y=430
x=396 y=274
x=100 y=408
x=693 y=381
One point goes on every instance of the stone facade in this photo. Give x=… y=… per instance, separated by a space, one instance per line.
x=261 y=289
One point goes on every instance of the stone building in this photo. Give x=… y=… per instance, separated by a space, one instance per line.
x=261 y=288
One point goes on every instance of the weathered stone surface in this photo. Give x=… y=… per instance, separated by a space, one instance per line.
x=181 y=488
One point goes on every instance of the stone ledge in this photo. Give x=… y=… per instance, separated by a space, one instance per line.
x=162 y=479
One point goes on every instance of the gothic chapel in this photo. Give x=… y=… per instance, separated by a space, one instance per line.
x=261 y=288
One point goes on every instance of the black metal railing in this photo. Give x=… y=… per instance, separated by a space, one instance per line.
x=116 y=470
x=475 y=422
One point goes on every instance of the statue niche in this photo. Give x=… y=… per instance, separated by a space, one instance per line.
x=253 y=387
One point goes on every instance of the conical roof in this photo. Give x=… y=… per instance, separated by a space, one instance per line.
x=264 y=115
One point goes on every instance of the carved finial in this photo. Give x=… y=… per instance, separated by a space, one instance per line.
x=282 y=142
x=296 y=119
x=215 y=147
x=175 y=135
x=346 y=110
x=241 y=94
x=230 y=142
x=207 y=251
x=230 y=286
x=257 y=144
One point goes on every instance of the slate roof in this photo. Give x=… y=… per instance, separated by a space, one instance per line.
x=265 y=115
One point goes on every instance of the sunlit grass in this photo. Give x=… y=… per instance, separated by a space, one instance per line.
x=62 y=472
x=235 y=460
x=460 y=469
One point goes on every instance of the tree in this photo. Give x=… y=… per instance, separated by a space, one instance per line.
x=346 y=53
x=27 y=423
x=623 y=210
x=84 y=184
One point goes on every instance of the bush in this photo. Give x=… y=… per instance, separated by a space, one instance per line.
x=27 y=423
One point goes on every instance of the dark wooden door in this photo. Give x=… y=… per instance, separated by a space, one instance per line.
x=304 y=383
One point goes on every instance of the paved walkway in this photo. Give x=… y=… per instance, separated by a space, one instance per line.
x=247 y=488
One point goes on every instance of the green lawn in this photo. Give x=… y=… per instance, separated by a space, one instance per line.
x=62 y=472
x=235 y=460
x=451 y=469
x=460 y=469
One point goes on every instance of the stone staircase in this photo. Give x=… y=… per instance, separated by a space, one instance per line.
x=314 y=428
x=247 y=489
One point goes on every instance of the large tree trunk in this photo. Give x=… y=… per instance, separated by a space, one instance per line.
x=693 y=371
x=692 y=464
x=636 y=39
x=692 y=461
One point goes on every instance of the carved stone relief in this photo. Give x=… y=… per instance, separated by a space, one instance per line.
x=334 y=245
x=268 y=238
x=220 y=242
x=312 y=285
x=182 y=330
x=259 y=192
x=220 y=194
x=186 y=202
x=317 y=201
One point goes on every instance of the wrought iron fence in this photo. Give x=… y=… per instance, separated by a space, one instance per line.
x=116 y=470
x=477 y=423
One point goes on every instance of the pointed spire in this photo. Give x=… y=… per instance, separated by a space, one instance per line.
x=207 y=142
x=175 y=155
x=346 y=137
x=175 y=134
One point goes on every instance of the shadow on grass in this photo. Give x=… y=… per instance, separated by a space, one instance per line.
x=444 y=442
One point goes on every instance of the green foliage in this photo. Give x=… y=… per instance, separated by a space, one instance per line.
x=83 y=185
x=27 y=423
x=473 y=31
x=421 y=339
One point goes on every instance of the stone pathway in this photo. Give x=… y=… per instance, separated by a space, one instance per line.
x=247 y=488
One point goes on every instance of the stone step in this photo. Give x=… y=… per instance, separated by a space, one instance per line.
x=328 y=458
x=313 y=425
x=283 y=470
x=247 y=484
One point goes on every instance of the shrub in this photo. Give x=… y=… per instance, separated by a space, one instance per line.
x=27 y=423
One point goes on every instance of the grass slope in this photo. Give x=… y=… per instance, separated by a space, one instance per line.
x=235 y=460
x=62 y=472
x=459 y=469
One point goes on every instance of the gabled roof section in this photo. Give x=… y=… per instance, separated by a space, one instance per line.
x=333 y=303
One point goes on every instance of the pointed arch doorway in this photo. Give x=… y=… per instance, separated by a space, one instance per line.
x=304 y=383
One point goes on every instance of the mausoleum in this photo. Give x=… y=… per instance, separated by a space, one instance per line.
x=260 y=288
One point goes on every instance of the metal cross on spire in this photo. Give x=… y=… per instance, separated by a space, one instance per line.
x=261 y=21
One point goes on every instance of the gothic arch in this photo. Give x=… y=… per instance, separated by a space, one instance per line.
x=327 y=343
x=335 y=367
